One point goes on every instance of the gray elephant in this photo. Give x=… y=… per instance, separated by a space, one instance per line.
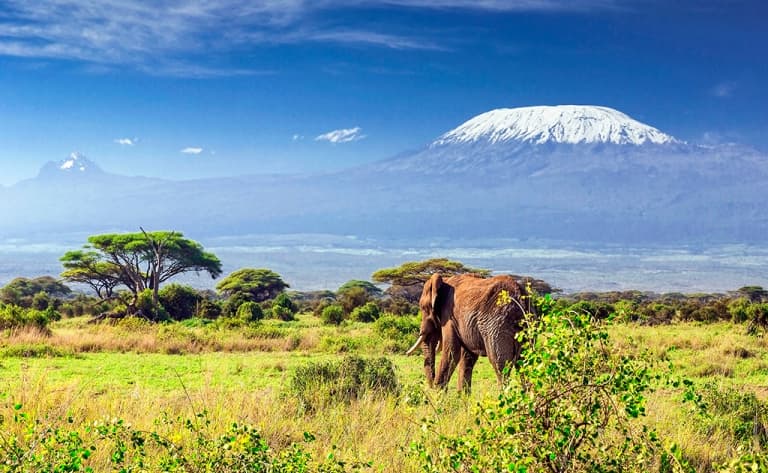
x=471 y=317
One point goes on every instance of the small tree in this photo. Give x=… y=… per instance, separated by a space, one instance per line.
x=407 y=279
x=250 y=312
x=255 y=285
x=370 y=289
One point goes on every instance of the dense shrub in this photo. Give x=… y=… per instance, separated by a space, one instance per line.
x=399 y=332
x=283 y=307
x=13 y=316
x=366 y=313
x=320 y=384
x=209 y=309
x=250 y=312
x=179 y=301
x=145 y=307
x=332 y=314
x=352 y=298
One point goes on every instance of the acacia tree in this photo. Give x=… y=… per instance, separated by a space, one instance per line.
x=407 y=279
x=255 y=285
x=138 y=261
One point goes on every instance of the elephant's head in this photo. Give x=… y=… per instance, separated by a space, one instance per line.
x=430 y=330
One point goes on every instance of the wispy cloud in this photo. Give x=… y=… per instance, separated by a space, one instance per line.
x=162 y=36
x=127 y=141
x=192 y=150
x=343 y=135
x=723 y=89
x=297 y=137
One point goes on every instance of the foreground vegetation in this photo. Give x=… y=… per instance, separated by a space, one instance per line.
x=120 y=396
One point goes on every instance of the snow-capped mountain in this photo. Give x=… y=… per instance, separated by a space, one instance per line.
x=564 y=124
x=574 y=173
x=76 y=164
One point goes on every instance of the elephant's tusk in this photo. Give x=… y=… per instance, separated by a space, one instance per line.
x=415 y=345
x=437 y=346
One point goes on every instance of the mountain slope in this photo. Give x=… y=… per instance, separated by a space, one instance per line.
x=570 y=173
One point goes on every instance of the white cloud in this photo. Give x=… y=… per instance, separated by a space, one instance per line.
x=192 y=150
x=723 y=89
x=297 y=137
x=155 y=37
x=127 y=141
x=343 y=135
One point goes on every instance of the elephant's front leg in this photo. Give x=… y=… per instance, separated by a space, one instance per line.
x=466 y=365
x=449 y=359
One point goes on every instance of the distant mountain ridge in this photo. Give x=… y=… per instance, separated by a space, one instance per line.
x=580 y=173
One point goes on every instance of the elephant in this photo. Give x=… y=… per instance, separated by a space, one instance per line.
x=471 y=318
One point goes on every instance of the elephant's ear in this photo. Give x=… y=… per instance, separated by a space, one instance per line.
x=435 y=283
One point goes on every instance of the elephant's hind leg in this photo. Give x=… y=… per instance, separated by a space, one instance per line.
x=466 y=365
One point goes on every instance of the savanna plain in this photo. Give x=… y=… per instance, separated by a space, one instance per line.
x=606 y=383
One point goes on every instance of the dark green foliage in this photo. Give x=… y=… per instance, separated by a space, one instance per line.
x=757 y=317
x=320 y=384
x=179 y=301
x=332 y=314
x=250 y=312
x=13 y=317
x=352 y=298
x=209 y=309
x=22 y=291
x=146 y=308
x=252 y=284
x=370 y=289
x=366 y=313
x=283 y=307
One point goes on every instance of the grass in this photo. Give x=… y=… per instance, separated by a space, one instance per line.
x=139 y=373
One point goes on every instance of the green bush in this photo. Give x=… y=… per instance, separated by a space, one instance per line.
x=332 y=314
x=145 y=307
x=316 y=385
x=578 y=407
x=250 y=312
x=366 y=313
x=179 y=301
x=209 y=309
x=282 y=313
x=399 y=332
x=13 y=316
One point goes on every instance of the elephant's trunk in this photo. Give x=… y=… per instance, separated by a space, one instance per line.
x=429 y=347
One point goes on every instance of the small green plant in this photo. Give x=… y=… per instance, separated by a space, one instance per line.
x=320 y=384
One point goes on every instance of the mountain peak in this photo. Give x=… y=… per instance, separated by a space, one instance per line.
x=567 y=124
x=76 y=164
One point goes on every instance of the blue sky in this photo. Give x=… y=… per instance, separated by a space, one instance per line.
x=193 y=88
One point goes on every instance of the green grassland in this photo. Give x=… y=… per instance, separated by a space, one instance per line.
x=81 y=374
